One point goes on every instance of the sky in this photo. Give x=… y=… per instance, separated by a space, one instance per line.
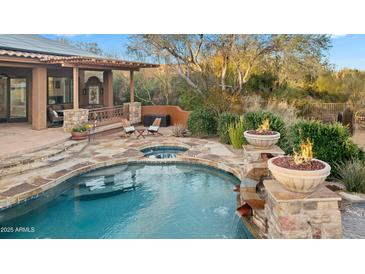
x=346 y=51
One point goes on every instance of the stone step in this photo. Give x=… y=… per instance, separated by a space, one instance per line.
x=41 y=158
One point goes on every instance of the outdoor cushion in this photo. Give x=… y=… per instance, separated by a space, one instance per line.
x=153 y=128
x=55 y=113
x=129 y=129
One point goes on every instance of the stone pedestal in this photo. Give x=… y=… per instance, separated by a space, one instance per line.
x=73 y=117
x=254 y=153
x=302 y=216
x=133 y=111
x=255 y=163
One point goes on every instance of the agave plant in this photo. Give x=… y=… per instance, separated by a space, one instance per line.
x=352 y=175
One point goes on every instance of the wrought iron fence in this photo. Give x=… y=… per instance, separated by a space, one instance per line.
x=107 y=115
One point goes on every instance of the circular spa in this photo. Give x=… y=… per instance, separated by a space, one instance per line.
x=132 y=201
x=163 y=152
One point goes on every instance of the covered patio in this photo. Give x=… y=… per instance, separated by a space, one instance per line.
x=92 y=98
x=42 y=79
x=19 y=138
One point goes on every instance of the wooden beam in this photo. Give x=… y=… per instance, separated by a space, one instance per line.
x=26 y=65
x=17 y=59
x=131 y=85
x=75 y=71
x=99 y=67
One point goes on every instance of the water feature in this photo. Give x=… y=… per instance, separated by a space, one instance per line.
x=135 y=201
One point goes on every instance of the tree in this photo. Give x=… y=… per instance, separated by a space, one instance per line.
x=184 y=51
x=208 y=61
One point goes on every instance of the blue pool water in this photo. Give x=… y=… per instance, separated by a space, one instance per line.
x=134 y=201
x=163 y=152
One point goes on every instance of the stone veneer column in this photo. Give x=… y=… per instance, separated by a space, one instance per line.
x=73 y=117
x=134 y=112
x=302 y=216
x=39 y=98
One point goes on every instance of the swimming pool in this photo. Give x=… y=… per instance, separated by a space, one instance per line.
x=135 y=201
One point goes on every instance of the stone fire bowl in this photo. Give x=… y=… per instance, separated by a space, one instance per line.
x=303 y=181
x=262 y=141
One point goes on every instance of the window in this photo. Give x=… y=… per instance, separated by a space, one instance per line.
x=60 y=90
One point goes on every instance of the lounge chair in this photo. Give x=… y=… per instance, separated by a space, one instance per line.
x=153 y=129
x=128 y=129
x=54 y=118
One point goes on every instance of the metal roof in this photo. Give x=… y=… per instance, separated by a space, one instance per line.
x=39 y=44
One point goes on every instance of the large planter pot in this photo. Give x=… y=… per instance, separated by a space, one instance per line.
x=79 y=135
x=260 y=140
x=304 y=181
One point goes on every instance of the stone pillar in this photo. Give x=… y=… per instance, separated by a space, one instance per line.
x=108 y=88
x=131 y=85
x=134 y=114
x=39 y=98
x=302 y=216
x=73 y=117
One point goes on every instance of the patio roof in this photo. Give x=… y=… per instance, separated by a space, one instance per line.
x=103 y=62
x=25 y=54
x=39 y=49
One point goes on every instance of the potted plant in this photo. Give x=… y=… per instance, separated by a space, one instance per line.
x=79 y=132
x=299 y=172
x=262 y=137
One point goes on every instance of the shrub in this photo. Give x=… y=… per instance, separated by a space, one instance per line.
x=352 y=175
x=81 y=128
x=224 y=121
x=178 y=130
x=331 y=142
x=254 y=119
x=202 y=123
x=235 y=131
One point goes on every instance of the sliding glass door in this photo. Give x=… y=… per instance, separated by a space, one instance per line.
x=18 y=98
x=13 y=99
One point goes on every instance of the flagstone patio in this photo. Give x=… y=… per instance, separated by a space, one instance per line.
x=19 y=138
x=114 y=149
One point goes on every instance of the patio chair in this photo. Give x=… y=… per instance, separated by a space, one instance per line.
x=153 y=129
x=53 y=117
x=128 y=129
